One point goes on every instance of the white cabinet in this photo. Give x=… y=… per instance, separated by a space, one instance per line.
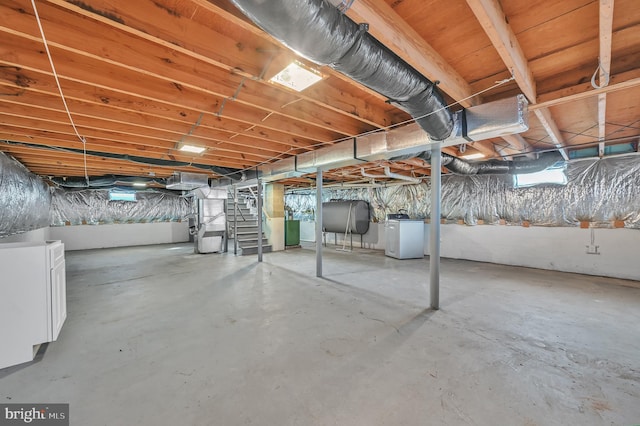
x=33 y=300
x=58 y=288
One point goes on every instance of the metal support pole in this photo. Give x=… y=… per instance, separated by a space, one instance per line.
x=235 y=220
x=319 y=223
x=226 y=223
x=259 y=220
x=434 y=241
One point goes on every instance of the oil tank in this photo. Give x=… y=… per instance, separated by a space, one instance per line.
x=336 y=213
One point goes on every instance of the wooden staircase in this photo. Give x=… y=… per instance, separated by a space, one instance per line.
x=246 y=224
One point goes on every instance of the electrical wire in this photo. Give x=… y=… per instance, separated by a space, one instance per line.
x=64 y=101
x=605 y=74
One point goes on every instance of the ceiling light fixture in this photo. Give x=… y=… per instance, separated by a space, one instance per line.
x=297 y=76
x=474 y=156
x=192 y=148
x=139 y=184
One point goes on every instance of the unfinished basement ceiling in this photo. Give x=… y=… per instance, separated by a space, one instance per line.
x=141 y=77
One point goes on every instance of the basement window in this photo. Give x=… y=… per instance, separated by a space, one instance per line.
x=122 y=196
x=552 y=175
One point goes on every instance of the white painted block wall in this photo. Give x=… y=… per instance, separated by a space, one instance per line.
x=41 y=234
x=554 y=248
x=83 y=237
x=558 y=249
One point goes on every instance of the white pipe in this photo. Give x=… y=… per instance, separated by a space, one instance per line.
x=390 y=175
x=351 y=186
x=369 y=175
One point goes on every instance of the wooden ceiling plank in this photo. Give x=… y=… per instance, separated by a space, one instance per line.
x=211 y=158
x=604 y=67
x=392 y=31
x=181 y=30
x=490 y=15
x=166 y=135
x=44 y=155
x=230 y=13
x=54 y=141
x=577 y=93
x=189 y=100
x=22 y=83
x=549 y=124
x=160 y=79
x=494 y=22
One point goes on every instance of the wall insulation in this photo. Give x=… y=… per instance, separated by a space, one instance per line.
x=24 y=198
x=93 y=207
x=598 y=191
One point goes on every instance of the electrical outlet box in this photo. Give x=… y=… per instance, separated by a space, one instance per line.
x=593 y=249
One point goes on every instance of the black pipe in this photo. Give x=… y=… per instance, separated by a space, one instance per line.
x=492 y=167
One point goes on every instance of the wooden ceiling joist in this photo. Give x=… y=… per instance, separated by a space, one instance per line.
x=139 y=77
x=390 y=29
x=604 y=67
x=167 y=31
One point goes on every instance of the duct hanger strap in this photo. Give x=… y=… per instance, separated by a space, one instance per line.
x=463 y=124
x=345 y=6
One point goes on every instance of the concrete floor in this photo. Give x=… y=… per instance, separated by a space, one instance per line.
x=159 y=336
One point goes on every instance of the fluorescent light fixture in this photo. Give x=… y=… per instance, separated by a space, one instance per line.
x=192 y=148
x=297 y=76
x=139 y=184
x=475 y=156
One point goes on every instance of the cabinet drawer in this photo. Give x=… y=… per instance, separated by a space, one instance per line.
x=56 y=253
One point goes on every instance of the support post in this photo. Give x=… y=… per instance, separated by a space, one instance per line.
x=259 y=207
x=235 y=220
x=319 y=222
x=434 y=241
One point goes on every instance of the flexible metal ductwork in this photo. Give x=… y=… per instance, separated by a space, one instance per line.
x=492 y=167
x=320 y=32
x=233 y=175
x=103 y=181
x=486 y=121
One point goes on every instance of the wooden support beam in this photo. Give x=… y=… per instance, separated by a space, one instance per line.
x=606 y=29
x=148 y=64
x=490 y=15
x=492 y=18
x=392 y=31
x=602 y=122
x=165 y=29
x=547 y=121
x=576 y=93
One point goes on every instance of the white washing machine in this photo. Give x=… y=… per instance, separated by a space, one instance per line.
x=404 y=239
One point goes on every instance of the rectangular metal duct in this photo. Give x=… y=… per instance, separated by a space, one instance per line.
x=333 y=156
x=405 y=140
x=187 y=181
x=490 y=120
x=282 y=169
x=499 y=118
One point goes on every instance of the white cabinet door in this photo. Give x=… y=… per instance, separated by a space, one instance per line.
x=58 y=299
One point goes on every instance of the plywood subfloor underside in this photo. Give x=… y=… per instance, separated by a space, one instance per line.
x=158 y=335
